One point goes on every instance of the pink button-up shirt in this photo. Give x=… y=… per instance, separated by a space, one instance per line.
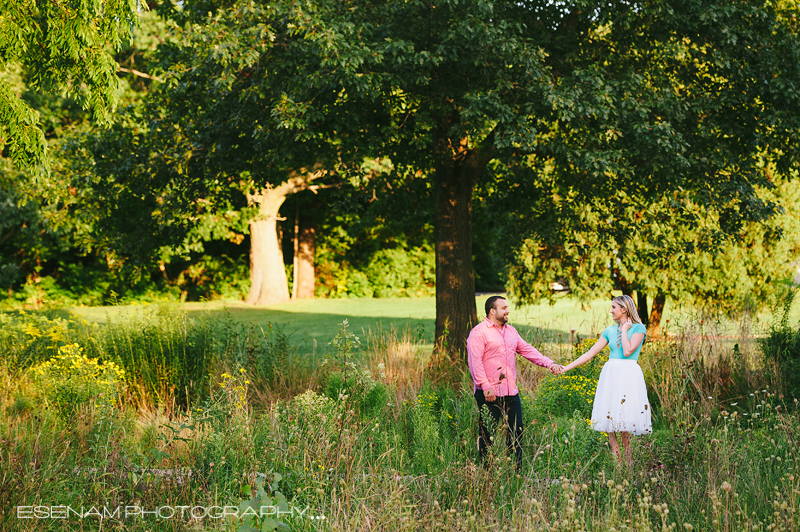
x=491 y=353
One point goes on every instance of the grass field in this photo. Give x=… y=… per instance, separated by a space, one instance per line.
x=210 y=407
x=319 y=319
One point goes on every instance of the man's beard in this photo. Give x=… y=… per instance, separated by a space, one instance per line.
x=504 y=319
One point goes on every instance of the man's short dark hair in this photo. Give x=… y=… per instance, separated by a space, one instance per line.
x=491 y=301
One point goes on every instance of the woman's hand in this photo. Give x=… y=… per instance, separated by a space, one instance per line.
x=627 y=324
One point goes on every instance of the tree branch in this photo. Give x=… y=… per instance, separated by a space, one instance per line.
x=9 y=235
x=137 y=73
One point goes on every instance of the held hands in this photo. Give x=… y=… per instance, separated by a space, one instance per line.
x=556 y=369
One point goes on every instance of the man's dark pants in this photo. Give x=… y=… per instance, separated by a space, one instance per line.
x=508 y=407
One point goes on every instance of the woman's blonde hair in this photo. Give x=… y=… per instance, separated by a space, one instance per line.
x=627 y=303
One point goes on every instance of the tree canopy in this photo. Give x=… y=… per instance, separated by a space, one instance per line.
x=60 y=46
x=648 y=97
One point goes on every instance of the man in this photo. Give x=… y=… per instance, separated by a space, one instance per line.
x=491 y=352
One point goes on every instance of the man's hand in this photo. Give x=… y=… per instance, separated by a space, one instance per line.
x=556 y=369
x=489 y=395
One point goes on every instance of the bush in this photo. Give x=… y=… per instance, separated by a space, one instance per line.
x=402 y=273
x=71 y=380
x=366 y=394
x=396 y=272
x=263 y=352
x=363 y=392
x=782 y=346
x=563 y=395
x=215 y=277
x=30 y=338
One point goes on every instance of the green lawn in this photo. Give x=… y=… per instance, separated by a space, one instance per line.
x=317 y=320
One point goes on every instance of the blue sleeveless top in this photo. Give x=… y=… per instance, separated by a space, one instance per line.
x=610 y=334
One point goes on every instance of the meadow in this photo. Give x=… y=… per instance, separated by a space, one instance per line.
x=212 y=417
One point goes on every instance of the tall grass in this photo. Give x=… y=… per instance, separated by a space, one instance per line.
x=723 y=456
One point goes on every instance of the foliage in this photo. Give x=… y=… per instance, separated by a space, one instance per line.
x=367 y=395
x=315 y=412
x=563 y=395
x=426 y=450
x=29 y=339
x=62 y=46
x=782 y=346
x=675 y=247
x=162 y=351
x=607 y=96
x=261 y=504
x=52 y=251
x=213 y=277
x=265 y=353
x=389 y=273
x=352 y=382
x=578 y=441
x=71 y=380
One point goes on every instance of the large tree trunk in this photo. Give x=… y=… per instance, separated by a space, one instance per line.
x=268 y=283
x=641 y=304
x=654 y=328
x=303 y=286
x=456 y=314
x=624 y=286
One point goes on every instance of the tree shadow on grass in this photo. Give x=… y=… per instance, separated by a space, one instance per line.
x=318 y=329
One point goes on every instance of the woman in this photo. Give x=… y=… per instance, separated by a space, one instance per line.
x=620 y=401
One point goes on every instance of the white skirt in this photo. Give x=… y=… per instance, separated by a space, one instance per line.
x=620 y=402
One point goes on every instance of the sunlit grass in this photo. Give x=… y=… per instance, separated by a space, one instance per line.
x=318 y=319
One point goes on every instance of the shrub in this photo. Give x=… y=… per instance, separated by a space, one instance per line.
x=390 y=273
x=404 y=273
x=264 y=352
x=71 y=380
x=215 y=277
x=782 y=346
x=363 y=392
x=29 y=338
x=563 y=395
